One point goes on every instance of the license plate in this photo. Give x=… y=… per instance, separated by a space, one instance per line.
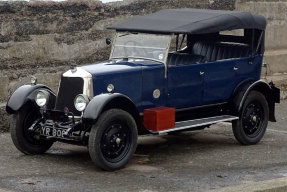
x=53 y=132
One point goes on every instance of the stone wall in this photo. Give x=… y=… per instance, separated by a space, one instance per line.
x=38 y=39
x=42 y=40
x=275 y=12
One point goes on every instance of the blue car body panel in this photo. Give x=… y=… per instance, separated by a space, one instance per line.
x=153 y=78
x=137 y=80
x=183 y=86
x=222 y=77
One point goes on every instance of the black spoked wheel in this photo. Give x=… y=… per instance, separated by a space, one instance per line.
x=116 y=142
x=21 y=137
x=253 y=120
x=113 y=140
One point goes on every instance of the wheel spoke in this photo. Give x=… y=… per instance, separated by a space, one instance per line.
x=252 y=119
x=115 y=142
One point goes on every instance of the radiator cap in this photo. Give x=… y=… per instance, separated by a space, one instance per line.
x=73 y=68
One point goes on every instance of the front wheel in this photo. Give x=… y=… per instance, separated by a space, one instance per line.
x=113 y=140
x=22 y=139
x=253 y=120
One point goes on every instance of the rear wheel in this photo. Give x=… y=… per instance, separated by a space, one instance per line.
x=22 y=139
x=253 y=120
x=113 y=140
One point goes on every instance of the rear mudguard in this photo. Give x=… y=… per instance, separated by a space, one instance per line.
x=26 y=94
x=271 y=93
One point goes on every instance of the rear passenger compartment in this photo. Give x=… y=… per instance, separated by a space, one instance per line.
x=214 y=51
x=202 y=52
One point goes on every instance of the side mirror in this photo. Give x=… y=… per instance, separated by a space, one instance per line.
x=108 y=41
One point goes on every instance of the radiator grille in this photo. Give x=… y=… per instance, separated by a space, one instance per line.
x=69 y=88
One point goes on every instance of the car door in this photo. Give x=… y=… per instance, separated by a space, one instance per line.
x=184 y=85
x=220 y=81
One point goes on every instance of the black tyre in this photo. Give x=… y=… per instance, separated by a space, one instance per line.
x=22 y=139
x=113 y=140
x=253 y=120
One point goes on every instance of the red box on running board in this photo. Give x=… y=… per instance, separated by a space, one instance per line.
x=159 y=118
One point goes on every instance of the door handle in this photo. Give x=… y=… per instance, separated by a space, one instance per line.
x=235 y=68
x=201 y=73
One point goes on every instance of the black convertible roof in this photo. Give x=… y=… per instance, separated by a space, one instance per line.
x=192 y=21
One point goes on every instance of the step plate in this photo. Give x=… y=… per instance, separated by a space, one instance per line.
x=199 y=122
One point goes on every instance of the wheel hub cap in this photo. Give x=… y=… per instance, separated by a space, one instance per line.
x=254 y=118
x=118 y=141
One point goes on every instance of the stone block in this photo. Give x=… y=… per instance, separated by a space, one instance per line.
x=4 y=82
x=276 y=13
x=4 y=119
x=276 y=60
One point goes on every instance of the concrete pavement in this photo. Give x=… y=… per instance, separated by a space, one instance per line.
x=274 y=185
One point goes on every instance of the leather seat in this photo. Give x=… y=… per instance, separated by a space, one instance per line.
x=208 y=52
x=184 y=59
x=214 y=51
x=171 y=58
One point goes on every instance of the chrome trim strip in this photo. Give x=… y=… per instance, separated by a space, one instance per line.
x=224 y=118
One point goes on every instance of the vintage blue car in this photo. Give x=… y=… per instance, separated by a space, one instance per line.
x=174 y=70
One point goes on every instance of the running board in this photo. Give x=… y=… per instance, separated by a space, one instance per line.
x=198 y=122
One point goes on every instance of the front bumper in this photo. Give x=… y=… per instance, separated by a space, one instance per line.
x=57 y=126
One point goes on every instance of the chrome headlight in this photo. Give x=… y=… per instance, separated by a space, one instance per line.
x=81 y=101
x=42 y=98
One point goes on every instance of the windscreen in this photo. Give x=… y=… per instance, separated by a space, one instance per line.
x=138 y=45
